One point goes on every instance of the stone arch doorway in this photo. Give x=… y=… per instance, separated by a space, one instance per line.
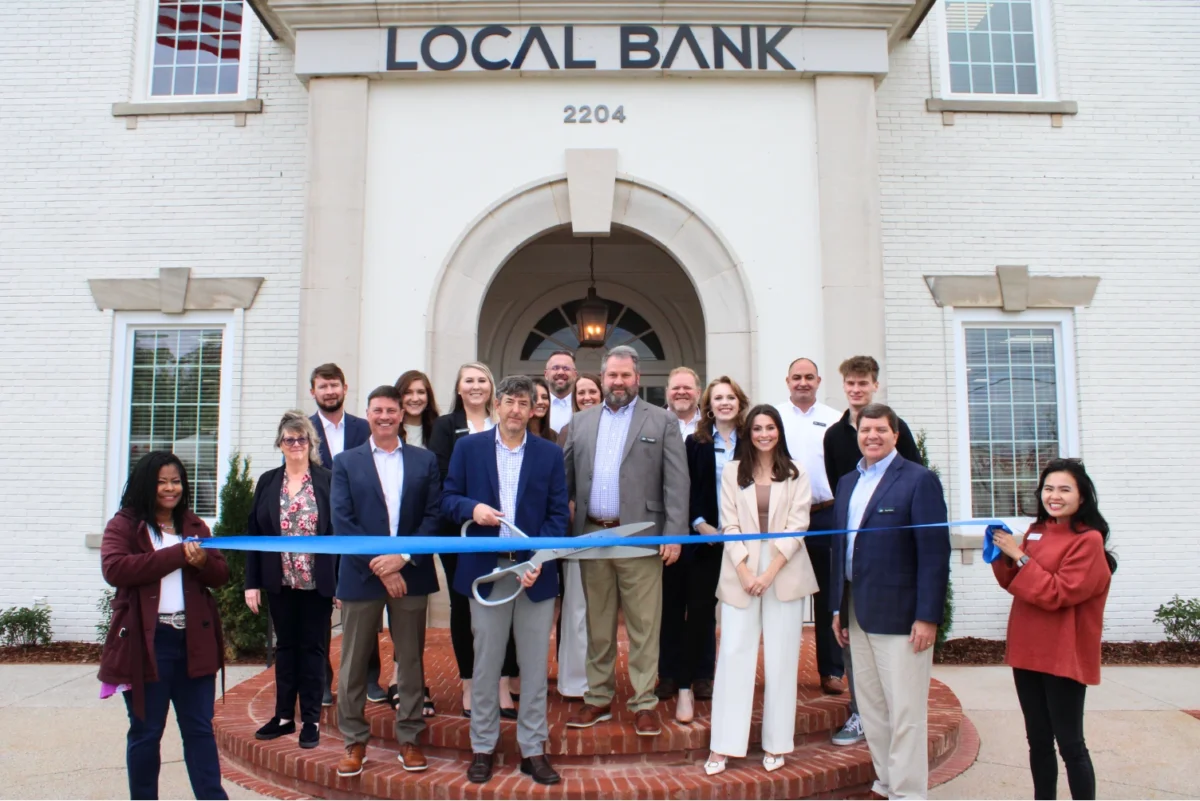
x=727 y=322
x=529 y=310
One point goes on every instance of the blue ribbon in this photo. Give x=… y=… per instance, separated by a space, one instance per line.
x=990 y=552
x=371 y=545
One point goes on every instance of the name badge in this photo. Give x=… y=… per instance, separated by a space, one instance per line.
x=719 y=450
x=815 y=423
x=1037 y=535
x=651 y=440
x=883 y=511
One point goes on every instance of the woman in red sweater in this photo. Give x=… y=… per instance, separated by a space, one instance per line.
x=1059 y=581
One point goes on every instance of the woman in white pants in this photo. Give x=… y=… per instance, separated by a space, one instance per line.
x=762 y=590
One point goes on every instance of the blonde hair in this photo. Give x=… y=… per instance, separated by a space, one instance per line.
x=297 y=422
x=695 y=376
x=483 y=368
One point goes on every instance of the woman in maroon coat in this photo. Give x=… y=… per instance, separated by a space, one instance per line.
x=164 y=645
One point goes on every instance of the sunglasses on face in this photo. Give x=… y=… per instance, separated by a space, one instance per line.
x=292 y=442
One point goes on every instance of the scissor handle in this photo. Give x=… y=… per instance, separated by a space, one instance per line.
x=462 y=532
x=498 y=573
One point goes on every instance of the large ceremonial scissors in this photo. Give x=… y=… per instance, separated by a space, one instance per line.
x=535 y=561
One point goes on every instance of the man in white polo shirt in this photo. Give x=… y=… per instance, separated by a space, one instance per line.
x=805 y=422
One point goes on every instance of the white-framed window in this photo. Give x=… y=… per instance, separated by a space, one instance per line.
x=172 y=381
x=996 y=49
x=192 y=50
x=1016 y=405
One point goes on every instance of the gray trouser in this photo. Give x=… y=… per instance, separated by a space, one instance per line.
x=530 y=624
x=360 y=622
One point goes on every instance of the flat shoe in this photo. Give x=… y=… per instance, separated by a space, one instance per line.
x=508 y=713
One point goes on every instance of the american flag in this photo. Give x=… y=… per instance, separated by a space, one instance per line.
x=212 y=27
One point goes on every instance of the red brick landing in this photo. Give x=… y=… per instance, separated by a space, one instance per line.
x=605 y=762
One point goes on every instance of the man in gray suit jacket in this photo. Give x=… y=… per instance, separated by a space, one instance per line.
x=625 y=464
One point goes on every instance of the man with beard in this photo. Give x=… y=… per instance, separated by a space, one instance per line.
x=625 y=463
x=340 y=431
x=683 y=398
x=560 y=375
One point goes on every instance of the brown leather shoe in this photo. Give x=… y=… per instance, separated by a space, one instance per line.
x=480 y=771
x=666 y=689
x=538 y=767
x=352 y=763
x=832 y=685
x=411 y=758
x=645 y=724
x=702 y=689
x=589 y=716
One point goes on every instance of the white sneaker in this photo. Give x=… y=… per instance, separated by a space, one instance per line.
x=851 y=733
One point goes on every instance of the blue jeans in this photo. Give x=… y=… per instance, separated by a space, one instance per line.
x=193 y=700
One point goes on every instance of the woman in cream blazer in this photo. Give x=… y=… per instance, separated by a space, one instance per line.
x=762 y=589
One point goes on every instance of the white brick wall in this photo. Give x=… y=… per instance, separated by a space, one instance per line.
x=85 y=198
x=1113 y=193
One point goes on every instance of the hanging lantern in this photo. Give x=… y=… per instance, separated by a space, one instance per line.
x=591 y=319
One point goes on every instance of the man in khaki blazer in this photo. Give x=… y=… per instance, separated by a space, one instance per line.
x=625 y=464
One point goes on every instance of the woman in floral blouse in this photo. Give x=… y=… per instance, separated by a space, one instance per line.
x=293 y=501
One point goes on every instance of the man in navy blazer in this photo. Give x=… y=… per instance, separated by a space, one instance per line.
x=889 y=587
x=384 y=489
x=339 y=430
x=498 y=475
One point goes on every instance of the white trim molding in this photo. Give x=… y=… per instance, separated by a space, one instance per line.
x=174 y=292
x=1012 y=288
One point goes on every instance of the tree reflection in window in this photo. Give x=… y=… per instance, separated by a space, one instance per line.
x=556 y=331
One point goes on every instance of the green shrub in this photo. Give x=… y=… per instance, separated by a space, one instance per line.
x=245 y=632
x=1180 y=619
x=948 y=613
x=23 y=626
x=104 y=607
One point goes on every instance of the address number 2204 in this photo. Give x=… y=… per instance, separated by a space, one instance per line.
x=589 y=114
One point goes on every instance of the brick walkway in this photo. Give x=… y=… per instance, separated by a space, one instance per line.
x=606 y=761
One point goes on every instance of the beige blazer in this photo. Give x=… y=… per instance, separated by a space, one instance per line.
x=788 y=511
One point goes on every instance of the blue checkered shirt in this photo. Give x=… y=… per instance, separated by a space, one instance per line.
x=508 y=466
x=604 y=503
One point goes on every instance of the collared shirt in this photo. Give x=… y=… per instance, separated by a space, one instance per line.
x=842 y=453
x=335 y=433
x=508 y=466
x=868 y=481
x=604 y=503
x=804 y=433
x=560 y=411
x=390 y=467
x=722 y=454
x=688 y=427
x=488 y=425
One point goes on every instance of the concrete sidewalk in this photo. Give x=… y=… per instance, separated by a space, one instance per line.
x=1142 y=746
x=59 y=740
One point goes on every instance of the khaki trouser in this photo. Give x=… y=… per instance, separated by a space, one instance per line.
x=893 y=701
x=635 y=587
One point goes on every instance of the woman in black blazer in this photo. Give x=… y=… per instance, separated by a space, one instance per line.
x=474 y=391
x=688 y=650
x=293 y=501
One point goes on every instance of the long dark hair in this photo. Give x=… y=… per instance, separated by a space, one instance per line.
x=782 y=467
x=141 y=491
x=431 y=408
x=1087 y=517
x=540 y=425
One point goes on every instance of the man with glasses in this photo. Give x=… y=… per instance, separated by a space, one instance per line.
x=560 y=375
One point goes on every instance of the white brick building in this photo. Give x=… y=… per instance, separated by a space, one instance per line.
x=403 y=210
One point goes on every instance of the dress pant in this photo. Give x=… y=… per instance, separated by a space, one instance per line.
x=406 y=622
x=529 y=623
x=301 y=618
x=461 y=638
x=829 y=653
x=372 y=665
x=633 y=586
x=779 y=624
x=572 y=637
x=1053 y=711
x=893 y=687
x=687 y=645
x=193 y=701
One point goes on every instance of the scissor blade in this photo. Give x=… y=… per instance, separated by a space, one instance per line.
x=611 y=552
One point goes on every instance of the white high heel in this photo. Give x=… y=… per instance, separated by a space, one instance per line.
x=772 y=763
x=713 y=767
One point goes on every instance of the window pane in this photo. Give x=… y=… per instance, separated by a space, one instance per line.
x=958 y=47
x=206 y=80
x=1022 y=17
x=1023 y=50
x=960 y=78
x=999 y=19
x=228 y=82
x=175 y=403
x=1013 y=416
x=197 y=34
x=984 y=39
x=160 y=83
x=1006 y=80
x=1027 y=80
x=1002 y=48
x=981 y=48
x=981 y=79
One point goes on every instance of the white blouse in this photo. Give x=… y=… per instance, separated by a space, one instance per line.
x=170 y=589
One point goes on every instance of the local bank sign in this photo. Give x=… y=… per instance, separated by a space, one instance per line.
x=746 y=50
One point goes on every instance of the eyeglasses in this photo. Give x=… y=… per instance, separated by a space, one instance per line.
x=561 y=369
x=292 y=442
